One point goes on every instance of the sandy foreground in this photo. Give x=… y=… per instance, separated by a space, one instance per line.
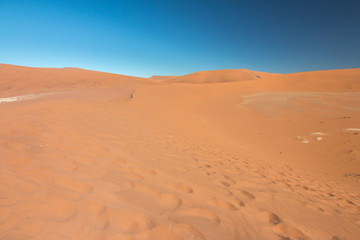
x=258 y=156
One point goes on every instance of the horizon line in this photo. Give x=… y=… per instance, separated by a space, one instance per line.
x=172 y=75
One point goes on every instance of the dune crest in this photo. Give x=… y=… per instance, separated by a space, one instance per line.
x=217 y=76
x=18 y=80
x=161 y=78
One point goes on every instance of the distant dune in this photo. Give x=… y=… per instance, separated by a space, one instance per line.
x=327 y=80
x=161 y=78
x=18 y=79
x=218 y=76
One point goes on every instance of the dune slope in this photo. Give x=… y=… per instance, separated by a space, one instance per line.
x=161 y=78
x=342 y=80
x=21 y=80
x=216 y=76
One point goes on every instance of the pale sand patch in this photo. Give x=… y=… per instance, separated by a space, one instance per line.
x=318 y=133
x=352 y=129
x=26 y=97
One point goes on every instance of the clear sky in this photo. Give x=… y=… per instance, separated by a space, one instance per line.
x=177 y=37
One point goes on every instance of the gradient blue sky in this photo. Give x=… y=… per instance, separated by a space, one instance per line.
x=177 y=37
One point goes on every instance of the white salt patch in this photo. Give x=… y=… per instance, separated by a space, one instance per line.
x=303 y=140
x=352 y=129
x=24 y=97
x=19 y=98
x=319 y=138
x=9 y=99
x=317 y=133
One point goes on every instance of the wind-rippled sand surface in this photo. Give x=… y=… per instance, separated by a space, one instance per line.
x=262 y=158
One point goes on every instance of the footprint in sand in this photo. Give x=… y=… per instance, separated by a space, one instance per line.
x=249 y=195
x=240 y=203
x=314 y=207
x=148 y=198
x=226 y=184
x=181 y=188
x=176 y=232
x=337 y=238
x=127 y=222
x=119 y=177
x=347 y=205
x=225 y=180
x=222 y=204
x=286 y=231
x=194 y=214
x=210 y=173
x=270 y=217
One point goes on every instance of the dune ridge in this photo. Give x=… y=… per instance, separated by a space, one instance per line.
x=19 y=80
x=347 y=80
x=161 y=78
x=216 y=76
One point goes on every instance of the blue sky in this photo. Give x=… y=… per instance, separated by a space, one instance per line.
x=177 y=37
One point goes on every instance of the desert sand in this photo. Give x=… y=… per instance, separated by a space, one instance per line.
x=227 y=154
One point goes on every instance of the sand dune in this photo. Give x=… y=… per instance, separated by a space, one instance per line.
x=346 y=80
x=217 y=76
x=161 y=78
x=22 y=80
x=276 y=157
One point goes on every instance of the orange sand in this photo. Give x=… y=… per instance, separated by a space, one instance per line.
x=234 y=156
